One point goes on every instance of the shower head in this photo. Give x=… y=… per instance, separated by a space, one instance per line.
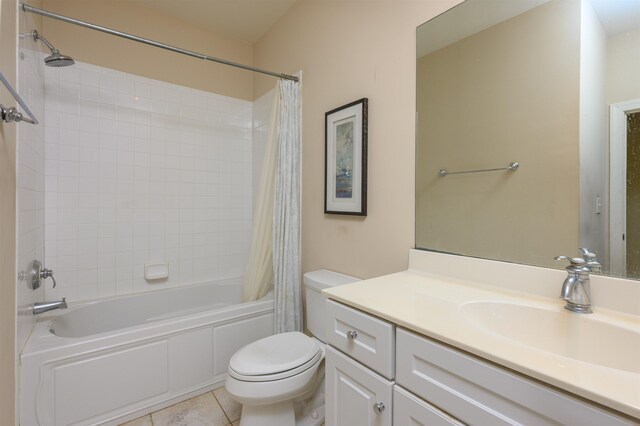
x=56 y=59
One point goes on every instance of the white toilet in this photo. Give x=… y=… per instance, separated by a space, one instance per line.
x=279 y=380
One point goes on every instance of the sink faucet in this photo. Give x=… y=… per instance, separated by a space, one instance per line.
x=39 y=308
x=576 y=288
x=590 y=258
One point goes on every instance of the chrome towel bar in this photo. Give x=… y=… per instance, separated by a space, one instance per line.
x=511 y=167
x=12 y=114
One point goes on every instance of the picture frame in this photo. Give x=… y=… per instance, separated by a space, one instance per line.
x=345 y=171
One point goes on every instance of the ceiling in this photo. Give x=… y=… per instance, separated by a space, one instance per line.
x=618 y=16
x=467 y=19
x=245 y=20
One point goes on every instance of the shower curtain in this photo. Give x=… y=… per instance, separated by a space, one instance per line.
x=286 y=218
x=275 y=251
x=258 y=279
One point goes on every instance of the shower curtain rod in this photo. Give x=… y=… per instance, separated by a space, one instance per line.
x=91 y=26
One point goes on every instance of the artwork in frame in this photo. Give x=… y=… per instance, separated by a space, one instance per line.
x=345 y=173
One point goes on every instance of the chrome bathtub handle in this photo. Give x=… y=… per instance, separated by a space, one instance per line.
x=48 y=273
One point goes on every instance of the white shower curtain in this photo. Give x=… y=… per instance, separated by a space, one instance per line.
x=274 y=257
x=258 y=279
x=286 y=218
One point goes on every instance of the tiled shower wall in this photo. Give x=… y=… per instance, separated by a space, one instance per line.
x=139 y=170
x=30 y=177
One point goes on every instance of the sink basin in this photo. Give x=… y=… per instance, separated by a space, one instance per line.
x=592 y=338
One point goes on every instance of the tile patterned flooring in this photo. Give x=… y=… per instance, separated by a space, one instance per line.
x=215 y=408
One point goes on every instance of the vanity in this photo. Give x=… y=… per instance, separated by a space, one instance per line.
x=524 y=114
x=456 y=340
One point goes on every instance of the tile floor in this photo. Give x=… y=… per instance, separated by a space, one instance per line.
x=209 y=409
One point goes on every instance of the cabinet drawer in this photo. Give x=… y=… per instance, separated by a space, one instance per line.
x=480 y=393
x=362 y=337
x=353 y=393
x=411 y=411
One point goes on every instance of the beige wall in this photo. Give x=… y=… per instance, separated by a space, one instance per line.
x=623 y=57
x=593 y=134
x=508 y=93
x=348 y=50
x=633 y=195
x=623 y=84
x=128 y=56
x=7 y=220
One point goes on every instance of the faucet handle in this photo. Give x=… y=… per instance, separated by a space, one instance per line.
x=574 y=261
x=591 y=260
x=47 y=273
x=587 y=254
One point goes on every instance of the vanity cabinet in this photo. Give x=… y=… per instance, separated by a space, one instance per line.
x=480 y=393
x=431 y=383
x=362 y=337
x=408 y=409
x=360 y=366
x=355 y=395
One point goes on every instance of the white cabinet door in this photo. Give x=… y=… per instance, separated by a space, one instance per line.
x=363 y=337
x=355 y=395
x=483 y=394
x=409 y=410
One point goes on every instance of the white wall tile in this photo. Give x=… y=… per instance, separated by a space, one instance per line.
x=30 y=175
x=141 y=170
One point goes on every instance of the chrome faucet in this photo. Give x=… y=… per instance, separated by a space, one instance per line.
x=590 y=258
x=39 y=308
x=576 y=288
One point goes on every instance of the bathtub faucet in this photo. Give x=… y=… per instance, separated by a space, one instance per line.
x=39 y=308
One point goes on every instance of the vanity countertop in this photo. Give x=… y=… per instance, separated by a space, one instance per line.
x=443 y=308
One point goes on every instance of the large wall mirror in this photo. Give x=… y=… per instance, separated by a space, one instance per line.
x=553 y=85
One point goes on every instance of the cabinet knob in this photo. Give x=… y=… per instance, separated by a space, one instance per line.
x=378 y=408
x=352 y=335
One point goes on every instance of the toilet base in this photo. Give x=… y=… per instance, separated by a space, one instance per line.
x=279 y=414
x=305 y=409
x=287 y=413
x=314 y=417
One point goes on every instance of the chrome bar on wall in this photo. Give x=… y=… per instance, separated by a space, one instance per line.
x=512 y=167
x=106 y=30
x=12 y=114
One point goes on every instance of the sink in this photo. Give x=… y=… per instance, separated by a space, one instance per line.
x=592 y=338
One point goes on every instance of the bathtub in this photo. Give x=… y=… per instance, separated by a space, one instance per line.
x=109 y=361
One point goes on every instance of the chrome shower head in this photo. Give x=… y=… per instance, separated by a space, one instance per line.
x=56 y=59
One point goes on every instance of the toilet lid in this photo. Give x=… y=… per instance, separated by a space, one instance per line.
x=274 y=354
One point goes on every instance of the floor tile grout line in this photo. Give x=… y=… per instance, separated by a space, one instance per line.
x=221 y=407
x=215 y=398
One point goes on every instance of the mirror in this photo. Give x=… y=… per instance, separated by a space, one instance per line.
x=553 y=86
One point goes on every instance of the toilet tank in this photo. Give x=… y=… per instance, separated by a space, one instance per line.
x=316 y=303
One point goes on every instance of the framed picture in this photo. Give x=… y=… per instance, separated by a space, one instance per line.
x=345 y=170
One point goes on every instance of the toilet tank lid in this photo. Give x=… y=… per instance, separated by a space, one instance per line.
x=319 y=280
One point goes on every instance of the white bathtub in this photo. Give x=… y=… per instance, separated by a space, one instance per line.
x=109 y=361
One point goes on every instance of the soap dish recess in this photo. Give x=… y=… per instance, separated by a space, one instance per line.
x=156 y=270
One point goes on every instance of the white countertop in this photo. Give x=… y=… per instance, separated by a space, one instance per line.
x=432 y=306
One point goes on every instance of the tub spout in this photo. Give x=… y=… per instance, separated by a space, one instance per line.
x=39 y=308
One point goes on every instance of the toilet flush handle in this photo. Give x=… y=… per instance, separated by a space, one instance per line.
x=352 y=335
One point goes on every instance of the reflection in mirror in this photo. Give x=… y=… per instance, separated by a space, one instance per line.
x=552 y=85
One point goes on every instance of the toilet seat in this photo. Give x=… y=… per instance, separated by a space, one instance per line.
x=277 y=376
x=275 y=357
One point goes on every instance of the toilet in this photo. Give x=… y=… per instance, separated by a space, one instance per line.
x=279 y=380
